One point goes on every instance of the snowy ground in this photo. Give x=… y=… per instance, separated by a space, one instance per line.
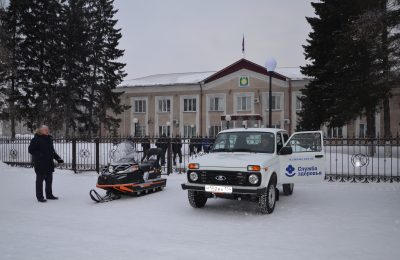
x=325 y=221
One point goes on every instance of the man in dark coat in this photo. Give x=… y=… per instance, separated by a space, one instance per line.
x=177 y=149
x=192 y=145
x=162 y=143
x=42 y=150
x=145 y=146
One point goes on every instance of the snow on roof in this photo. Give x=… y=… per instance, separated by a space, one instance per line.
x=261 y=129
x=169 y=79
x=188 y=78
x=293 y=73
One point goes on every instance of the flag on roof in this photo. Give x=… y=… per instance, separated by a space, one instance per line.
x=243 y=44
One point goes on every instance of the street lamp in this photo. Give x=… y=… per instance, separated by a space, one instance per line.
x=135 y=121
x=270 y=65
x=227 y=119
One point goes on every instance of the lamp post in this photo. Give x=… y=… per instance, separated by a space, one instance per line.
x=135 y=122
x=227 y=119
x=270 y=65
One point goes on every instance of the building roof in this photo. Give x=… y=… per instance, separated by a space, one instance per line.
x=189 y=78
x=186 y=78
x=261 y=129
x=243 y=64
x=293 y=73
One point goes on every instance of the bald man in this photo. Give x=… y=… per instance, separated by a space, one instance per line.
x=43 y=154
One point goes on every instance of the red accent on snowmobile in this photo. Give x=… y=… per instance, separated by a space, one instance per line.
x=134 y=187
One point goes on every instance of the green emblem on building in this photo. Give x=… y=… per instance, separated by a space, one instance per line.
x=243 y=81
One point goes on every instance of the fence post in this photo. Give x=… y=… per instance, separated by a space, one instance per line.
x=97 y=141
x=74 y=154
x=169 y=162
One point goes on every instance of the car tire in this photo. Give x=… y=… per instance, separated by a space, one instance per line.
x=267 y=200
x=288 y=189
x=197 y=199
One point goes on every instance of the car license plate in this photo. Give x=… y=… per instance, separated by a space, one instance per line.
x=218 y=189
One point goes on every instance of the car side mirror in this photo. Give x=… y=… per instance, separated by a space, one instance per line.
x=285 y=150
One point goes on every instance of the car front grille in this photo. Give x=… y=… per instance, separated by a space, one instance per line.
x=226 y=178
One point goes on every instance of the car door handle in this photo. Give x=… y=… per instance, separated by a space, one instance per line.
x=319 y=156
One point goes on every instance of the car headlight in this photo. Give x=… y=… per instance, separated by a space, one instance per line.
x=193 y=176
x=253 y=179
x=110 y=168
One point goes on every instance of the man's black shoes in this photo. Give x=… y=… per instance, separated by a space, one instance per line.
x=41 y=200
x=52 y=197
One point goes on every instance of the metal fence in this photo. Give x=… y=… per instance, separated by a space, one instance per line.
x=347 y=159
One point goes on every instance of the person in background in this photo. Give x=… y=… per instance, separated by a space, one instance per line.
x=145 y=146
x=207 y=144
x=177 y=149
x=162 y=143
x=191 y=146
x=43 y=155
x=199 y=144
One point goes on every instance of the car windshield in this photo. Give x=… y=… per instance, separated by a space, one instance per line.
x=252 y=142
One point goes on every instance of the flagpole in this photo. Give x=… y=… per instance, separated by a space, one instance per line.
x=243 y=48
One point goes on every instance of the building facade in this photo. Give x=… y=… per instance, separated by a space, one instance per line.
x=196 y=104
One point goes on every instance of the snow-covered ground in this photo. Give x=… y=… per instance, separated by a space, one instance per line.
x=324 y=221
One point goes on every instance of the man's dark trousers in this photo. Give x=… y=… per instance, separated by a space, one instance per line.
x=48 y=179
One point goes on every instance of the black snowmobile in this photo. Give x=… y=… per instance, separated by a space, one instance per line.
x=126 y=175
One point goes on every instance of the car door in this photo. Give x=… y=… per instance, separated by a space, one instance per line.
x=306 y=163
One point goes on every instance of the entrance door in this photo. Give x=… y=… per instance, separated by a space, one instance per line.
x=306 y=164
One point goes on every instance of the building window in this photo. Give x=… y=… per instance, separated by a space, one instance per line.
x=362 y=131
x=299 y=104
x=335 y=132
x=276 y=126
x=140 y=106
x=214 y=130
x=164 y=130
x=189 y=105
x=243 y=103
x=216 y=104
x=189 y=131
x=164 y=105
x=140 y=130
x=276 y=102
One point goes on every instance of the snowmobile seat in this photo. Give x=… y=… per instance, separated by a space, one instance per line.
x=150 y=162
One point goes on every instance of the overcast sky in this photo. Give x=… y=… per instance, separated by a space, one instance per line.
x=164 y=36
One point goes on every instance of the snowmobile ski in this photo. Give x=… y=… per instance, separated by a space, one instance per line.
x=110 y=196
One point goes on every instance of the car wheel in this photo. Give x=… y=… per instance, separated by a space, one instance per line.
x=288 y=188
x=197 y=199
x=267 y=200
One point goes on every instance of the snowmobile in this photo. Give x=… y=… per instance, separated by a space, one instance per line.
x=127 y=175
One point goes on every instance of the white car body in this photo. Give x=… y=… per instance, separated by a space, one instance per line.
x=306 y=164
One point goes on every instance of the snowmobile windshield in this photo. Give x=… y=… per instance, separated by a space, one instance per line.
x=125 y=152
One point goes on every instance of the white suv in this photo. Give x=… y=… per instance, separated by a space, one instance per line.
x=253 y=164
